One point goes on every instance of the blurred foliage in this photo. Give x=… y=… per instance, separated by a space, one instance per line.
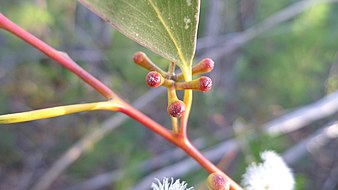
x=37 y=15
x=288 y=66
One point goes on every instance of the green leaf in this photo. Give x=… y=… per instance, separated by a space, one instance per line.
x=167 y=27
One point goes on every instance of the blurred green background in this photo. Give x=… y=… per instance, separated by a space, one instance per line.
x=289 y=65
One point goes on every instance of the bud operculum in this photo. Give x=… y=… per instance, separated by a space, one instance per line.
x=204 y=66
x=142 y=60
x=139 y=57
x=203 y=84
x=154 y=79
x=176 y=109
x=217 y=181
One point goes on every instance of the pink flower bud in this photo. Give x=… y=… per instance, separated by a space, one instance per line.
x=176 y=109
x=218 y=181
x=139 y=57
x=142 y=60
x=205 y=66
x=154 y=79
x=205 y=84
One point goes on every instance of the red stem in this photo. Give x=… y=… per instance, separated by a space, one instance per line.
x=206 y=164
x=188 y=102
x=147 y=122
x=58 y=56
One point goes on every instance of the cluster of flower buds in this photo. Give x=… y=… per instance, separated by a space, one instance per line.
x=157 y=77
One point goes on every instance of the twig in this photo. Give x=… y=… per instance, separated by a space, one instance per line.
x=304 y=115
x=312 y=143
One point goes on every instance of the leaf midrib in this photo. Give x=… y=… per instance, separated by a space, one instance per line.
x=179 y=50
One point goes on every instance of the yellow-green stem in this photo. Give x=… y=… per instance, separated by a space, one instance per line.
x=57 y=111
x=174 y=122
x=187 y=101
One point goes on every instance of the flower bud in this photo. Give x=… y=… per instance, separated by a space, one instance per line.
x=217 y=181
x=204 y=66
x=176 y=109
x=139 y=57
x=203 y=84
x=154 y=79
x=142 y=60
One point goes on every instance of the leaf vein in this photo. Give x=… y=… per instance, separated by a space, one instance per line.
x=178 y=48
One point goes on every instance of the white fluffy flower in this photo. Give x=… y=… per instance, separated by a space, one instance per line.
x=170 y=185
x=272 y=174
